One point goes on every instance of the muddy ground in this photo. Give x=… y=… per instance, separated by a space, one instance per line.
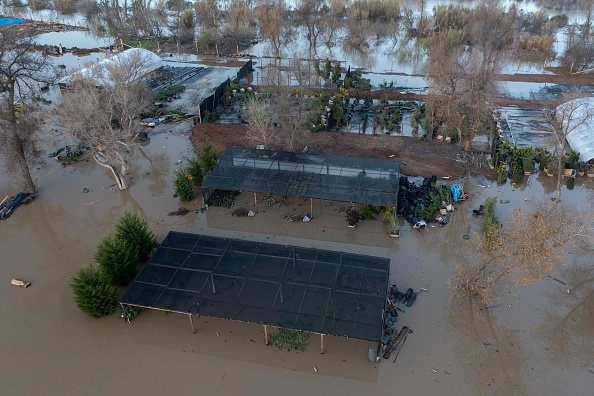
x=418 y=157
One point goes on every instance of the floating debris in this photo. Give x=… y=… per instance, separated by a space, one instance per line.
x=20 y=283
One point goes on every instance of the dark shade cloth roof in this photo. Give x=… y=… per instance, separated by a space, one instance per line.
x=308 y=289
x=330 y=177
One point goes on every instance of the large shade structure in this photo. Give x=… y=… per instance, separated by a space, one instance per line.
x=578 y=118
x=330 y=177
x=315 y=290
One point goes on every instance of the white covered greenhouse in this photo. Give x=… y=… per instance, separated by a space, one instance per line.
x=137 y=62
x=580 y=115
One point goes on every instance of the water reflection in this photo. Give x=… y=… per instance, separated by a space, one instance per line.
x=568 y=328
x=491 y=355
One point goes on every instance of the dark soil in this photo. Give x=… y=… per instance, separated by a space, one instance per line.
x=422 y=158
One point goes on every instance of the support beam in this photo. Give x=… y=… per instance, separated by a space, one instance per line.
x=266 y=334
x=192 y=324
x=214 y=291
x=322 y=343
x=311 y=207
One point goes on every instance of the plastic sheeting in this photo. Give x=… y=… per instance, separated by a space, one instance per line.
x=10 y=21
x=100 y=71
x=579 y=113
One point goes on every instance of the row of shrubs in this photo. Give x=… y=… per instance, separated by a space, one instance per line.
x=193 y=171
x=118 y=255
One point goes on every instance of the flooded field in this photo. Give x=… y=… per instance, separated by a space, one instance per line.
x=539 y=341
x=47 y=344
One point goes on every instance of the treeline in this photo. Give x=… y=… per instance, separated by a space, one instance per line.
x=353 y=24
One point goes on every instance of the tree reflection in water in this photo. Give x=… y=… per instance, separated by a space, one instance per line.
x=491 y=355
x=568 y=328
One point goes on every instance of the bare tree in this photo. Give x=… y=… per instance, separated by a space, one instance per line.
x=274 y=25
x=334 y=21
x=260 y=129
x=208 y=13
x=568 y=117
x=312 y=14
x=293 y=116
x=102 y=110
x=531 y=245
x=21 y=71
x=238 y=22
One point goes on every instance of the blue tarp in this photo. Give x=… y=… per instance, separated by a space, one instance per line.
x=10 y=21
x=457 y=192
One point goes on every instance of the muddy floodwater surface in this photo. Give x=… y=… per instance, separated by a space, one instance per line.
x=521 y=346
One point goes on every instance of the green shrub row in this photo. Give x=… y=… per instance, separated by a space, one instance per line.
x=192 y=172
x=117 y=259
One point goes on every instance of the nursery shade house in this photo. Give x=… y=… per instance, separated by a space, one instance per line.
x=329 y=177
x=315 y=290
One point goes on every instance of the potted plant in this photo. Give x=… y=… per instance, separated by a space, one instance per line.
x=394 y=227
x=528 y=164
x=581 y=168
x=352 y=217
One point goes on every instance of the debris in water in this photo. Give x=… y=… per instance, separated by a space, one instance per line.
x=179 y=212
x=91 y=203
x=315 y=369
x=435 y=371
x=20 y=283
x=555 y=279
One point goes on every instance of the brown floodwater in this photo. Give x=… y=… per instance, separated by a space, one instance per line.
x=542 y=344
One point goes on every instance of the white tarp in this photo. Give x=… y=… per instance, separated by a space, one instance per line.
x=580 y=137
x=144 y=60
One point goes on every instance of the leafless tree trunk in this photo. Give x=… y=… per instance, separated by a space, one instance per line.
x=272 y=16
x=21 y=71
x=260 y=129
x=103 y=110
x=568 y=116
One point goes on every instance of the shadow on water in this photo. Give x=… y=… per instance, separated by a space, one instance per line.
x=492 y=356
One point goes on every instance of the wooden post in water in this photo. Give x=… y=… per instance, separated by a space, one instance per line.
x=311 y=209
x=571 y=68
x=217 y=47
x=518 y=67
x=266 y=334
x=256 y=202
x=199 y=115
x=192 y=324
x=322 y=343
x=281 y=292
x=214 y=291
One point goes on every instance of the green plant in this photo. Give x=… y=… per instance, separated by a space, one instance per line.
x=366 y=212
x=388 y=214
x=92 y=292
x=570 y=183
x=517 y=177
x=490 y=221
x=182 y=183
x=290 y=339
x=528 y=163
x=502 y=176
x=208 y=157
x=195 y=170
x=117 y=259
x=134 y=229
